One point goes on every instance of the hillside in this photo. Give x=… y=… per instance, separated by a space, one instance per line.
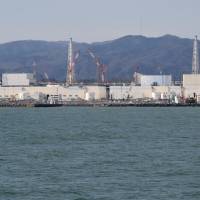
x=169 y=54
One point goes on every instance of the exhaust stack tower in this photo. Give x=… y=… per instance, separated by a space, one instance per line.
x=195 y=57
x=70 y=64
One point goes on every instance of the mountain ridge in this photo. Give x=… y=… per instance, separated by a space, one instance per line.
x=149 y=55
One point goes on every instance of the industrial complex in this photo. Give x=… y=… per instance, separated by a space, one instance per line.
x=17 y=87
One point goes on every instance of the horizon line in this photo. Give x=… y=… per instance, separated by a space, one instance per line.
x=108 y=40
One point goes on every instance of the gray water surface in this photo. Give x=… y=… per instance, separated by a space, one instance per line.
x=99 y=153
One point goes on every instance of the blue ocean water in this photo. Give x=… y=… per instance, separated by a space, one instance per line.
x=99 y=153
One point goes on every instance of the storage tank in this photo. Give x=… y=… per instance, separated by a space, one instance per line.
x=89 y=96
x=163 y=96
x=155 y=95
x=176 y=100
x=24 y=96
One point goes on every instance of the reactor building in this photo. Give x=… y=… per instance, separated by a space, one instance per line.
x=20 y=86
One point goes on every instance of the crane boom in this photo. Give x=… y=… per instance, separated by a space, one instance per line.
x=46 y=76
x=77 y=54
x=101 y=68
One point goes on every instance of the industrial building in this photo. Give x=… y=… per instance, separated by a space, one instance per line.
x=64 y=93
x=191 y=85
x=152 y=80
x=130 y=92
x=18 y=79
x=191 y=82
x=156 y=80
x=21 y=86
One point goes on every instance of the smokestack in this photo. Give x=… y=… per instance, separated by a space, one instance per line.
x=70 y=64
x=195 y=58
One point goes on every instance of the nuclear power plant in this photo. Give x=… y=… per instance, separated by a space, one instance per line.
x=144 y=89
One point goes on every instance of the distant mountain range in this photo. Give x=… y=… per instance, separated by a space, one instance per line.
x=167 y=54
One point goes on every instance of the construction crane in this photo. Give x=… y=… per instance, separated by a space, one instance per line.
x=46 y=76
x=101 y=68
x=77 y=54
x=34 y=64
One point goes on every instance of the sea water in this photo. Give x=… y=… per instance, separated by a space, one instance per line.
x=99 y=153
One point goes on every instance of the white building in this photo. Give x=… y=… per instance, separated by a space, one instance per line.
x=125 y=92
x=191 y=80
x=157 y=80
x=191 y=85
x=18 y=79
x=152 y=80
x=56 y=91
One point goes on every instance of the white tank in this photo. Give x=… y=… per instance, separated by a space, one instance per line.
x=89 y=96
x=176 y=100
x=23 y=96
x=163 y=96
x=155 y=95
x=20 y=96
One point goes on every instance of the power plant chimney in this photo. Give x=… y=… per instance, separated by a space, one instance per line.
x=70 y=64
x=195 y=58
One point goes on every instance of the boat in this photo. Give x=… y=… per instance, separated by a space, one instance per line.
x=47 y=105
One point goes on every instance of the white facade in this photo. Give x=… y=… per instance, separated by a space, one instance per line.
x=17 y=79
x=95 y=92
x=159 y=80
x=129 y=92
x=191 y=80
x=89 y=93
x=191 y=86
x=57 y=91
x=137 y=92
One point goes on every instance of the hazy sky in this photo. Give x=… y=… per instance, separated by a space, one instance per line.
x=97 y=20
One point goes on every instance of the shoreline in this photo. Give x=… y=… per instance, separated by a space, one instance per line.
x=97 y=104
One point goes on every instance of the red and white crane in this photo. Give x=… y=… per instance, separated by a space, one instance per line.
x=101 y=68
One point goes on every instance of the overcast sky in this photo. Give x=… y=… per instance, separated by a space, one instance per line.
x=97 y=20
